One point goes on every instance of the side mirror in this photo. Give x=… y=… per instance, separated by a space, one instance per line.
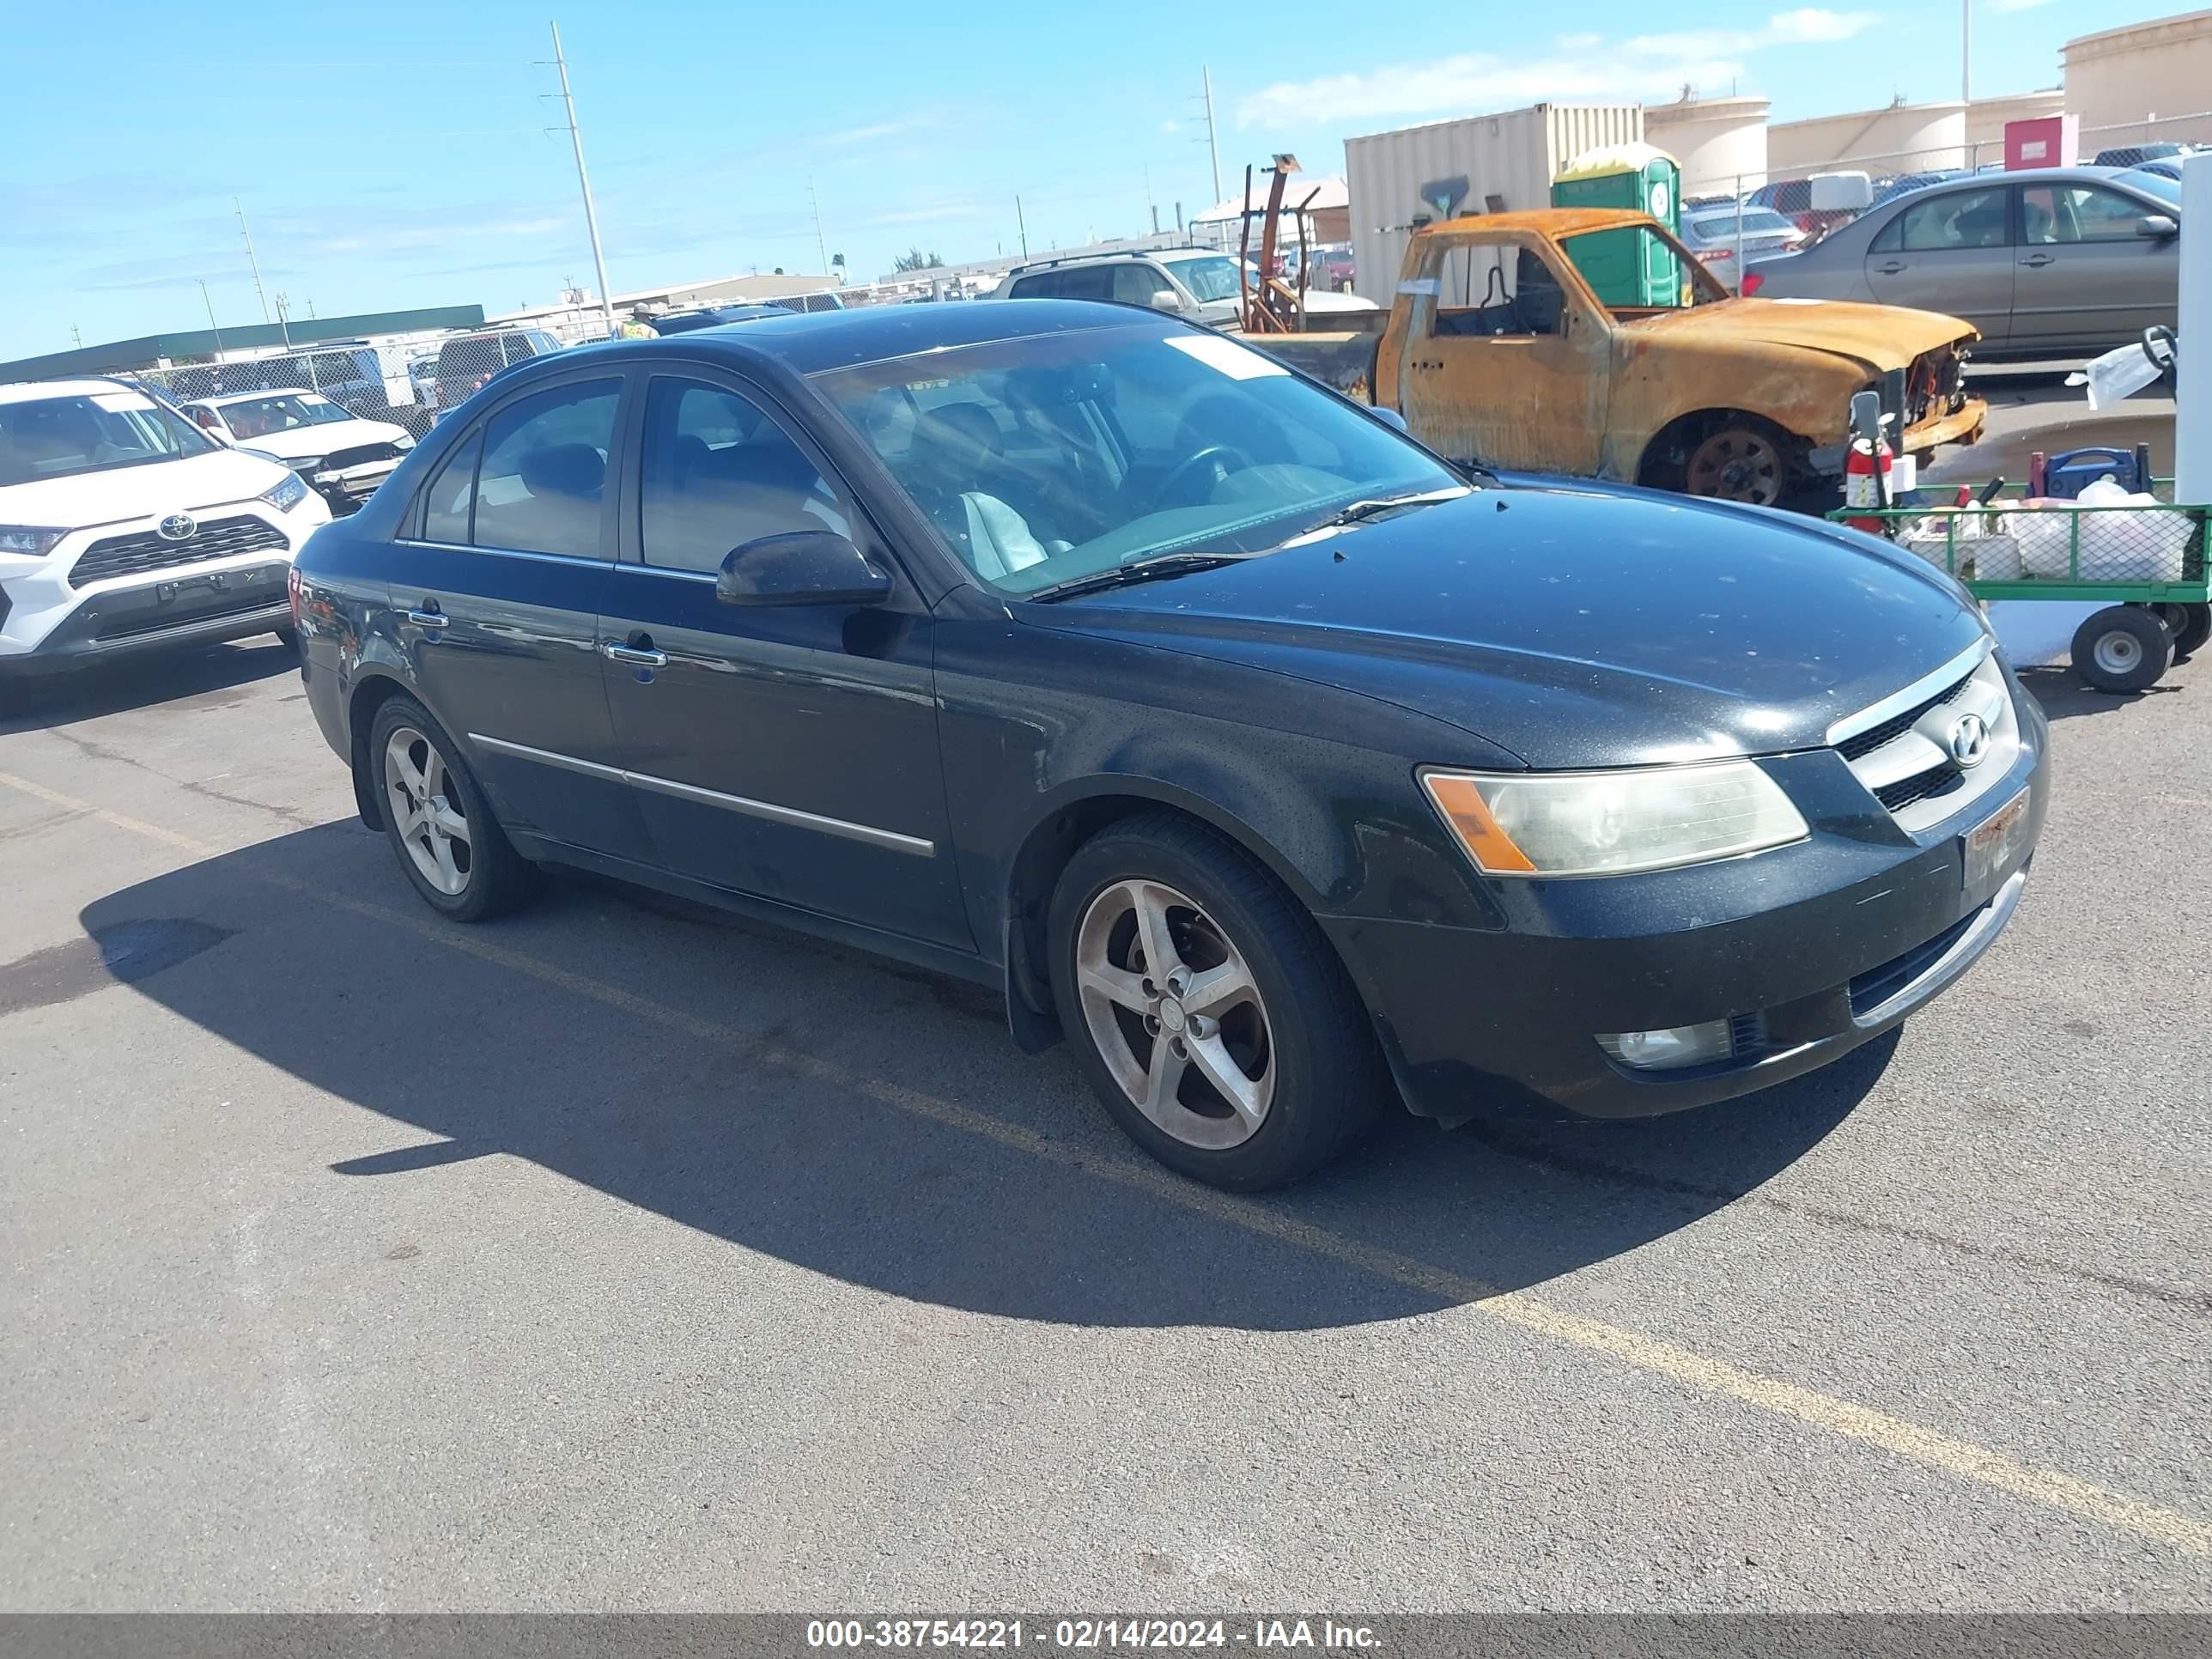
x=1164 y=298
x=1391 y=417
x=801 y=567
x=2159 y=226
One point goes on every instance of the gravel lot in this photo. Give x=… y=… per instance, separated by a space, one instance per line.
x=616 y=1255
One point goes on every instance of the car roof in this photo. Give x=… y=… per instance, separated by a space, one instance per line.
x=25 y=392
x=810 y=342
x=1065 y=260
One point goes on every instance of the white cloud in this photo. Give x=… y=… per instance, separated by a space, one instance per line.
x=1170 y=126
x=878 y=133
x=1645 y=66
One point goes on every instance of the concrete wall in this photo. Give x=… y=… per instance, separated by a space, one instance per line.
x=1906 y=138
x=1717 y=141
x=2119 y=80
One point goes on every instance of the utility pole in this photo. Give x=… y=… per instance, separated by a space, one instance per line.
x=1022 y=225
x=284 y=318
x=253 y=262
x=1967 y=52
x=821 y=246
x=583 y=183
x=212 y=327
x=77 y=339
x=1212 y=144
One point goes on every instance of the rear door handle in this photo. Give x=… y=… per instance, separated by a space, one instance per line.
x=638 y=656
x=2037 y=260
x=429 y=616
x=1890 y=270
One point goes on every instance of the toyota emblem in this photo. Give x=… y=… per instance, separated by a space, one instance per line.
x=177 y=527
x=1970 y=740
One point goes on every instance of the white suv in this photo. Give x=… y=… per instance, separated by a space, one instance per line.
x=123 y=528
x=1195 y=283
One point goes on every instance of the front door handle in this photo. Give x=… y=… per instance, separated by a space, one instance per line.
x=2037 y=260
x=428 y=616
x=637 y=656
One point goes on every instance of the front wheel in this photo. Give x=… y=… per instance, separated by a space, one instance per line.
x=1739 y=463
x=1207 y=1009
x=437 y=819
x=2123 y=647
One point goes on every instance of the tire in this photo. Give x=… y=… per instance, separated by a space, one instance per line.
x=475 y=874
x=2123 y=647
x=1742 y=461
x=2191 y=625
x=1307 y=1066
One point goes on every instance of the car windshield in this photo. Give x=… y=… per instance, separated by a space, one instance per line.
x=258 y=417
x=59 y=437
x=1213 y=278
x=1049 y=458
x=2167 y=190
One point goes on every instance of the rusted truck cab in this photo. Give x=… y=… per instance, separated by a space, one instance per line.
x=1499 y=349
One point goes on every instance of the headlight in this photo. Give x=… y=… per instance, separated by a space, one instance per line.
x=286 y=494
x=28 y=538
x=1609 y=823
x=404 y=442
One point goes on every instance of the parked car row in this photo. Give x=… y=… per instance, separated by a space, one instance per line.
x=1200 y=285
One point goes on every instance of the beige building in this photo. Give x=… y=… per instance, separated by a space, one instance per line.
x=1720 y=142
x=1986 y=118
x=1903 y=138
x=2146 y=83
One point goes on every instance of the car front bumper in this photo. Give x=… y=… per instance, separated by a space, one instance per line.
x=190 y=608
x=1808 y=951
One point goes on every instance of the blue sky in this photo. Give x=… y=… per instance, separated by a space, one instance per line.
x=393 y=152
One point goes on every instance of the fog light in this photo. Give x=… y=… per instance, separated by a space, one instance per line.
x=1673 y=1046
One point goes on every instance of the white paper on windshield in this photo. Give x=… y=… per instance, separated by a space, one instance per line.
x=1237 y=362
x=121 y=403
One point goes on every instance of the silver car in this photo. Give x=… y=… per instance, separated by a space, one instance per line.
x=2050 y=262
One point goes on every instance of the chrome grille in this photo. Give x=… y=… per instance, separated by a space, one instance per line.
x=135 y=555
x=1904 y=758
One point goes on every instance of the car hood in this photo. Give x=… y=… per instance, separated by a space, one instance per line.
x=155 y=489
x=1880 y=337
x=325 y=440
x=1575 y=628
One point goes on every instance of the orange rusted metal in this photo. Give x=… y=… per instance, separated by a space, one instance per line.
x=1497 y=349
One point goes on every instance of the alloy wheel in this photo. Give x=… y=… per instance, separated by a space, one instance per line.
x=1736 y=465
x=426 y=811
x=1175 y=1013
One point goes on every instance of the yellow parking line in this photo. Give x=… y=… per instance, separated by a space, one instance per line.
x=1921 y=1445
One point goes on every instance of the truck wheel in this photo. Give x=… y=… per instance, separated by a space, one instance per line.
x=2123 y=647
x=1739 y=463
x=2191 y=625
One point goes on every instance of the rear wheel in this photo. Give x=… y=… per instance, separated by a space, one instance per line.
x=1737 y=463
x=2191 y=625
x=2123 y=647
x=1207 y=1009
x=438 y=823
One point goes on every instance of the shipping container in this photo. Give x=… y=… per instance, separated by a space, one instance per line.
x=1507 y=160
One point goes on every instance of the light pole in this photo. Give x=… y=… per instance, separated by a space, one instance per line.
x=583 y=183
x=212 y=327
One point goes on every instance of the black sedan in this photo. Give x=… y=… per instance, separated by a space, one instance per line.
x=1246 y=745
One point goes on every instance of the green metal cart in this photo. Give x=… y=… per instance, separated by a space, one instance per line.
x=2147 y=562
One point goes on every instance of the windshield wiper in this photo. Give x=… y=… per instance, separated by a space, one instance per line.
x=1359 y=512
x=1139 y=570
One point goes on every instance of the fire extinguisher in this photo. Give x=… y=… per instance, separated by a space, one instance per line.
x=1867 y=483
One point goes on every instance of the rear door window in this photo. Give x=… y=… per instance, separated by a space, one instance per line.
x=452 y=495
x=541 y=486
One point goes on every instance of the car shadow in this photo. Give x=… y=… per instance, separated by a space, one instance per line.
x=865 y=1121
x=2065 y=695
x=95 y=690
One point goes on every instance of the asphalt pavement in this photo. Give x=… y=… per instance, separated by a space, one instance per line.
x=621 y=1255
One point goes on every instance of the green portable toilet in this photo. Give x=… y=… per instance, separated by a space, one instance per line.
x=1627 y=268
